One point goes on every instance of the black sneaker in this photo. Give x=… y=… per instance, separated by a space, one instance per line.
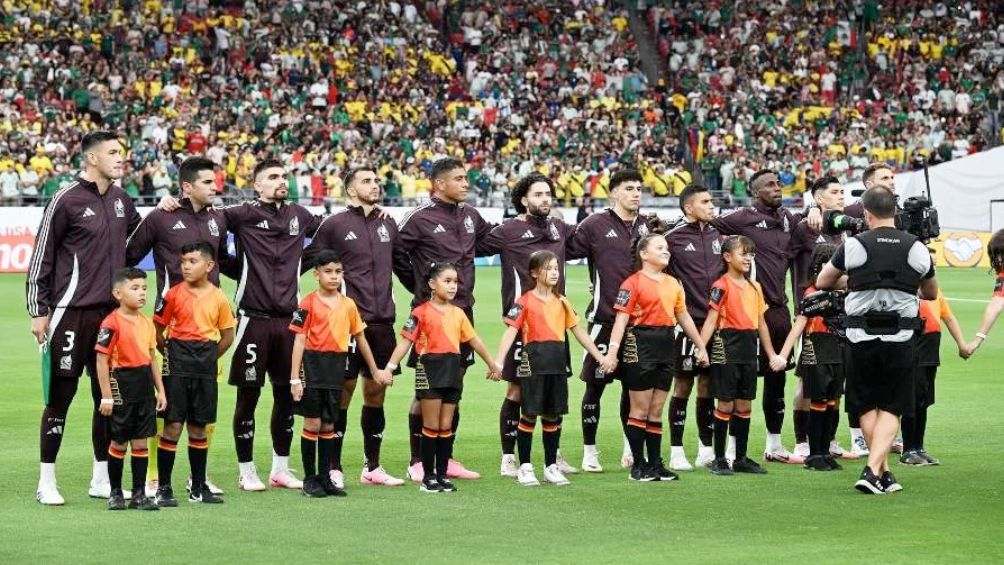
x=747 y=465
x=165 y=497
x=817 y=463
x=720 y=466
x=889 y=483
x=868 y=483
x=140 y=501
x=445 y=484
x=643 y=473
x=914 y=458
x=832 y=462
x=330 y=487
x=430 y=484
x=659 y=469
x=313 y=488
x=204 y=495
x=930 y=460
x=116 y=501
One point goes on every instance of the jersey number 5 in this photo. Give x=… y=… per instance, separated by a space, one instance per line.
x=252 y=353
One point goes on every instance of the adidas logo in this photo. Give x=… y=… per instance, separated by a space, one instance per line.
x=88 y=212
x=528 y=234
x=820 y=239
x=611 y=233
x=762 y=224
x=179 y=226
x=690 y=247
x=350 y=236
x=262 y=224
x=439 y=229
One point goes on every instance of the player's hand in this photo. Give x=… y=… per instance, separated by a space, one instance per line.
x=815 y=221
x=105 y=408
x=610 y=361
x=382 y=213
x=701 y=356
x=168 y=203
x=40 y=328
x=384 y=377
x=971 y=348
x=161 y=402
x=778 y=363
x=494 y=372
x=605 y=365
x=297 y=391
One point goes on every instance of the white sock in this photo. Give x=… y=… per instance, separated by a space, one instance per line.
x=99 y=472
x=730 y=447
x=589 y=450
x=47 y=474
x=773 y=442
x=279 y=463
x=856 y=433
x=677 y=451
x=627 y=446
x=246 y=469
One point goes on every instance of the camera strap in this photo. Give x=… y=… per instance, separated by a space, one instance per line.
x=884 y=323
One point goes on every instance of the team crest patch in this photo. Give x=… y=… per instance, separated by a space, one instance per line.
x=159 y=305
x=642 y=230
x=555 y=236
x=514 y=312
x=383 y=234
x=250 y=374
x=299 y=317
x=214 y=229
x=716 y=247
x=119 y=208
x=105 y=336
x=410 y=324
x=294 y=226
x=65 y=363
x=469 y=224
x=623 y=295
x=786 y=225
x=717 y=294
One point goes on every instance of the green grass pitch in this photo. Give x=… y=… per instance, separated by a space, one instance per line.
x=949 y=513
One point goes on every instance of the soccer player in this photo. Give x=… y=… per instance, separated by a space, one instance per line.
x=446 y=230
x=437 y=328
x=369 y=246
x=769 y=225
x=131 y=389
x=875 y=175
x=822 y=366
x=605 y=239
x=165 y=233
x=542 y=315
x=325 y=324
x=199 y=329
x=79 y=245
x=995 y=250
x=652 y=302
x=517 y=239
x=695 y=259
x=735 y=320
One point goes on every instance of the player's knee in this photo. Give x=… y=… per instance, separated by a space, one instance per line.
x=725 y=406
x=374 y=393
x=704 y=386
x=742 y=405
x=327 y=427
x=172 y=431
x=138 y=445
x=196 y=432
x=514 y=392
x=682 y=386
x=312 y=424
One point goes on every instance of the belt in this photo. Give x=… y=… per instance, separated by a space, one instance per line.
x=883 y=323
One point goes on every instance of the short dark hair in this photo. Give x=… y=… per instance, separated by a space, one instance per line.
x=822 y=183
x=627 y=175
x=445 y=165
x=96 y=137
x=759 y=174
x=871 y=169
x=350 y=175
x=523 y=187
x=191 y=167
x=202 y=247
x=689 y=192
x=265 y=164
x=995 y=249
x=879 y=202
x=326 y=257
x=128 y=274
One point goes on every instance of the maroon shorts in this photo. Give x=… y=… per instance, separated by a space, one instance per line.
x=778 y=320
x=73 y=333
x=264 y=345
x=382 y=341
x=590 y=368
x=510 y=364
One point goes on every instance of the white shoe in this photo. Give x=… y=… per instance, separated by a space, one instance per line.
x=99 y=489
x=778 y=454
x=836 y=450
x=627 y=458
x=553 y=475
x=248 y=480
x=508 y=468
x=526 y=477
x=337 y=477
x=678 y=460
x=209 y=484
x=859 y=447
x=705 y=455
x=730 y=450
x=48 y=494
x=151 y=487
x=801 y=450
x=564 y=466
x=591 y=459
x=285 y=479
x=897 y=445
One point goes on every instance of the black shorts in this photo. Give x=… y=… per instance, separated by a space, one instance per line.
x=686 y=365
x=823 y=382
x=647 y=376
x=322 y=403
x=510 y=365
x=544 y=395
x=733 y=381
x=190 y=359
x=264 y=345
x=449 y=395
x=324 y=369
x=925 y=375
x=134 y=412
x=190 y=400
x=883 y=376
x=778 y=320
x=590 y=368
x=382 y=341
x=73 y=333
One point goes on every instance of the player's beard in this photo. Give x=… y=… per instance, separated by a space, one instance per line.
x=538 y=212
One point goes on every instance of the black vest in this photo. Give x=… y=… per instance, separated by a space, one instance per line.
x=887 y=265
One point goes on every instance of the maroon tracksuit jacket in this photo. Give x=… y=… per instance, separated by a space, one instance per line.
x=696 y=260
x=803 y=241
x=80 y=244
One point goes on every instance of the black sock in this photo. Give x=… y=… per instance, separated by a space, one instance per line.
x=325 y=451
x=625 y=408
x=415 y=437
x=138 y=463
x=677 y=420
x=636 y=439
x=920 y=426
x=800 y=419
x=166 y=452
x=281 y=424
x=591 y=411
x=819 y=421
x=429 y=438
x=340 y=425
x=373 y=422
x=508 y=422
x=101 y=431
x=833 y=420
x=854 y=420
x=244 y=425
x=721 y=435
x=456 y=421
x=552 y=439
x=308 y=452
x=653 y=441
x=705 y=409
x=444 y=450
x=198 y=454
x=51 y=434
x=773 y=401
x=524 y=438
x=740 y=425
x=116 y=462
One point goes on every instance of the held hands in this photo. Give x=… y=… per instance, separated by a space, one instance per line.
x=969 y=349
x=161 y=402
x=701 y=356
x=778 y=363
x=605 y=365
x=384 y=377
x=107 y=405
x=296 y=388
x=494 y=372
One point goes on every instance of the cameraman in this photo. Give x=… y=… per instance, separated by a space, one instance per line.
x=885 y=269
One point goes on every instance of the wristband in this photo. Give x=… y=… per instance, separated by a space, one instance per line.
x=390 y=366
x=107 y=402
x=293 y=382
x=982 y=336
x=613 y=345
